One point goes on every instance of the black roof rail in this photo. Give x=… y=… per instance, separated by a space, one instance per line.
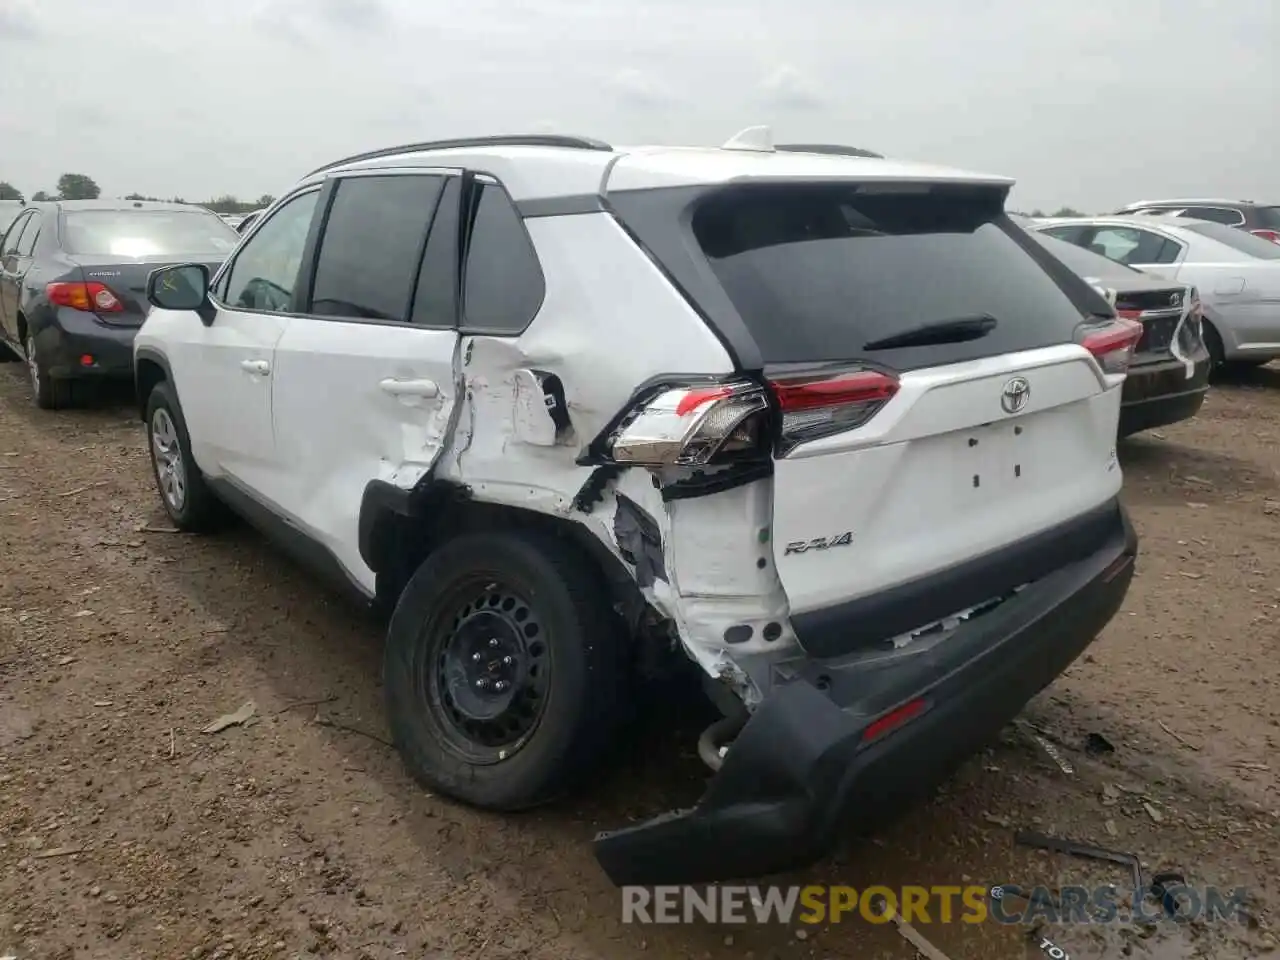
x=500 y=140
x=834 y=149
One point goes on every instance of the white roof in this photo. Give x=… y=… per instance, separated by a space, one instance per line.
x=534 y=172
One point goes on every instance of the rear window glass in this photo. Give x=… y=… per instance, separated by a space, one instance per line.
x=1239 y=240
x=145 y=233
x=824 y=272
x=1268 y=217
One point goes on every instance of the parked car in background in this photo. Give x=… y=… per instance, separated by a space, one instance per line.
x=73 y=277
x=1260 y=219
x=232 y=220
x=849 y=456
x=1169 y=375
x=1236 y=274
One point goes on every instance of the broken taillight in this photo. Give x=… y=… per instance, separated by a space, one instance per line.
x=692 y=426
x=1112 y=343
x=814 y=406
x=707 y=424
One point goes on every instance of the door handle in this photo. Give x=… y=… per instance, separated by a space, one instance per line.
x=259 y=367
x=410 y=388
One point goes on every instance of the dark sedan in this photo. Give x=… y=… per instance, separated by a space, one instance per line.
x=73 y=278
x=1169 y=375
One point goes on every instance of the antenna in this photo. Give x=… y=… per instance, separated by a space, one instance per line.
x=755 y=139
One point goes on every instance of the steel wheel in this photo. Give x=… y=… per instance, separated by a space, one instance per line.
x=486 y=670
x=166 y=451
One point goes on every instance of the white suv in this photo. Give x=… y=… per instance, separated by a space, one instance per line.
x=832 y=427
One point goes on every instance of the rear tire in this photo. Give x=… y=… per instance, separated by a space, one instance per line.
x=505 y=670
x=187 y=499
x=48 y=393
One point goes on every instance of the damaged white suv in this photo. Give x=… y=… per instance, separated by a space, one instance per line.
x=832 y=427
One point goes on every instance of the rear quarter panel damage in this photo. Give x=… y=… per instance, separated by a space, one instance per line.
x=609 y=323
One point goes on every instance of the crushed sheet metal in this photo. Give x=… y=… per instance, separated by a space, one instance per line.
x=639 y=540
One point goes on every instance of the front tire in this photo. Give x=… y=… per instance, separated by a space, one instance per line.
x=505 y=669
x=187 y=499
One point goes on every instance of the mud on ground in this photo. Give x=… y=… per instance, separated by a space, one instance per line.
x=126 y=832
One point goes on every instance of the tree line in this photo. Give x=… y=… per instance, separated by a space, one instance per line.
x=78 y=186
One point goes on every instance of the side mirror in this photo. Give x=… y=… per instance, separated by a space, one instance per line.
x=184 y=286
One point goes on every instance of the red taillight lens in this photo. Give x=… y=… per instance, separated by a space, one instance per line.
x=692 y=426
x=816 y=406
x=1112 y=343
x=1272 y=235
x=89 y=297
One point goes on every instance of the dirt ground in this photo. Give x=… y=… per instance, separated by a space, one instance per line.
x=126 y=832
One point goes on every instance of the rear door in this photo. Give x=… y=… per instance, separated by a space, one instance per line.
x=1001 y=425
x=365 y=383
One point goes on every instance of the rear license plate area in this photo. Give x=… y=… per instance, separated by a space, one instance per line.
x=994 y=461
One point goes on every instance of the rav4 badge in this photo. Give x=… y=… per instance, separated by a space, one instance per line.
x=819 y=543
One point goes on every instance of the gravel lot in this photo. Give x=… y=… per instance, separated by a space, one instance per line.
x=126 y=832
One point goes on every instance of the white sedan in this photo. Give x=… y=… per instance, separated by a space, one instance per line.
x=1237 y=274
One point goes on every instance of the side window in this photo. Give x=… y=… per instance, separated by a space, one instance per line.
x=1232 y=218
x=264 y=273
x=14 y=235
x=502 y=284
x=372 y=246
x=435 y=303
x=27 y=245
x=1130 y=245
x=1071 y=234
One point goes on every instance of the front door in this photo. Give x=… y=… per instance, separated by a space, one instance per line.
x=365 y=382
x=12 y=267
x=225 y=370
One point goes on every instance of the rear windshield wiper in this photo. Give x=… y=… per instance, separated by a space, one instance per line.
x=957 y=330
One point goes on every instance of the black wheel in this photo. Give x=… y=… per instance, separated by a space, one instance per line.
x=48 y=393
x=1213 y=343
x=505 y=669
x=187 y=499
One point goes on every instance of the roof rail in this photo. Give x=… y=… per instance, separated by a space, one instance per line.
x=834 y=149
x=500 y=140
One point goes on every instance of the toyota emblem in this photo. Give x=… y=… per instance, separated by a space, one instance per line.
x=1015 y=395
x=1175 y=299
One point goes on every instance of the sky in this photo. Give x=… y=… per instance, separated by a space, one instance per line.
x=1087 y=103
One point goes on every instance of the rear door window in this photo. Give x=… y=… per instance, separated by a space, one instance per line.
x=822 y=272
x=14 y=235
x=1232 y=218
x=503 y=284
x=372 y=246
x=27 y=245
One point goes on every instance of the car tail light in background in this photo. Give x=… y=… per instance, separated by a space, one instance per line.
x=1112 y=343
x=1272 y=235
x=814 y=406
x=89 y=297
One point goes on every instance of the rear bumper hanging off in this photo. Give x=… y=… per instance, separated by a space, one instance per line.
x=803 y=769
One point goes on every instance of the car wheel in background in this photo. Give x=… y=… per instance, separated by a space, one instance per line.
x=48 y=393
x=505 y=669
x=187 y=499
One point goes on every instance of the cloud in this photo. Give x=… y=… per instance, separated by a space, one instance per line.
x=636 y=88
x=789 y=89
x=17 y=23
x=365 y=15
